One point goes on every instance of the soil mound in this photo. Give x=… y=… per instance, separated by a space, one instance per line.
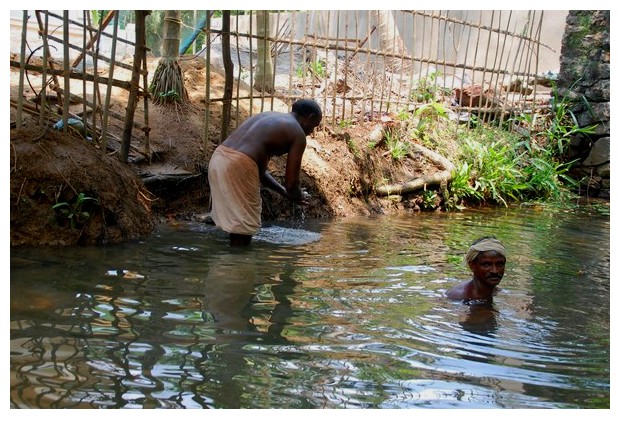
x=98 y=199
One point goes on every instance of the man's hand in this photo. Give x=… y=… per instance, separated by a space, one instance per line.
x=302 y=198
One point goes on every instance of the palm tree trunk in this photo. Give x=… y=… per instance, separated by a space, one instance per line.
x=167 y=85
x=389 y=38
x=263 y=78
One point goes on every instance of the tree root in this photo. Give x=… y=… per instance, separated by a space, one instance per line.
x=438 y=178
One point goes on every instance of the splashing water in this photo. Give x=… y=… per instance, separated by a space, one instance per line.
x=282 y=235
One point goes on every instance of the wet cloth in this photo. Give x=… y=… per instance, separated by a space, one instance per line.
x=236 y=203
x=485 y=245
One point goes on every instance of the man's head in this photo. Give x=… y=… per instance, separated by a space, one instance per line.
x=308 y=114
x=486 y=259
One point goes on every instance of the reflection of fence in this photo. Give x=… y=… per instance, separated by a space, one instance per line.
x=356 y=64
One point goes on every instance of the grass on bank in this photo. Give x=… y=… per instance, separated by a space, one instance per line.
x=522 y=161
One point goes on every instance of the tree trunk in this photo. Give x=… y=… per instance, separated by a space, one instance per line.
x=167 y=85
x=389 y=39
x=263 y=78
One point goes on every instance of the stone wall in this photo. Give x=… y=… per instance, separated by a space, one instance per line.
x=584 y=83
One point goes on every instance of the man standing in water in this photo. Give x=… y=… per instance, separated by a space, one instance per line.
x=238 y=167
x=486 y=259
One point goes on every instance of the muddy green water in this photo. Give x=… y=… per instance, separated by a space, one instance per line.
x=344 y=313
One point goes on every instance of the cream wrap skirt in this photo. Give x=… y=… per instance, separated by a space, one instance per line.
x=236 y=203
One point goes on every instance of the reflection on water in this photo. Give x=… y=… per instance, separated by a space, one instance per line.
x=345 y=313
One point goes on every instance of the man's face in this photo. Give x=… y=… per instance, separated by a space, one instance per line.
x=310 y=123
x=488 y=268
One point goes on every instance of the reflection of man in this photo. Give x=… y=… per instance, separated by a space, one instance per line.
x=481 y=318
x=229 y=286
x=486 y=259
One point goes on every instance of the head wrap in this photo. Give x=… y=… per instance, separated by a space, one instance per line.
x=485 y=245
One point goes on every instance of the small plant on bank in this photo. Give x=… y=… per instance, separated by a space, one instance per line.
x=563 y=125
x=496 y=174
x=430 y=199
x=345 y=123
x=171 y=96
x=75 y=211
x=353 y=148
x=459 y=190
x=427 y=90
x=396 y=146
x=318 y=68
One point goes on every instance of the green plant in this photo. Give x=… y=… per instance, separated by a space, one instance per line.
x=403 y=115
x=459 y=189
x=171 y=96
x=426 y=90
x=430 y=199
x=495 y=170
x=427 y=114
x=396 y=146
x=549 y=135
x=315 y=67
x=563 y=124
x=345 y=123
x=547 y=179
x=75 y=211
x=352 y=145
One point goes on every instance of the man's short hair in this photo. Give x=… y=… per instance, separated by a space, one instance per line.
x=307 y=107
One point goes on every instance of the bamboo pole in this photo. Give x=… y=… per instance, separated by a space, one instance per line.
x=43 y=31
x=43 y=93
x=228 y=75
x=84 y=108
x=291 y=55
x=274 y=62
x=482 y=99
x=239 y=73
x=251 y=69
x=146 y=128
x=22 y=62
x=537 y=56
x=205 y=137
x=96 y=92
x=108 y=95
x=67 y=80
x=139 y=53
x=505 y=104
x=90 y=43
x=335 y=77
x=72 y=74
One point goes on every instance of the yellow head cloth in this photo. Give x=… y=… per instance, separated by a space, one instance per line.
x=485 y=245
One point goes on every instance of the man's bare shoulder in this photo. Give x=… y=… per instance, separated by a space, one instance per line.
x=458 y=292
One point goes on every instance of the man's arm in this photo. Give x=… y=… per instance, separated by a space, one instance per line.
x=268 y=180
x=292 y=183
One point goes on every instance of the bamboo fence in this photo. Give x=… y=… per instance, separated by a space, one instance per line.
x=359 y=65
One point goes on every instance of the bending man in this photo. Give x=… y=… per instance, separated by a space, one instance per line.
x=486 y=259
x=238 y=167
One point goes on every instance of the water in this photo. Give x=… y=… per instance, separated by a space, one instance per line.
x=344 y=313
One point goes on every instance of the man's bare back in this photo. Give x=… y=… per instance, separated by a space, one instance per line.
x=266 y=135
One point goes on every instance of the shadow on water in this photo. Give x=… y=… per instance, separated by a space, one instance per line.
x=345 y=313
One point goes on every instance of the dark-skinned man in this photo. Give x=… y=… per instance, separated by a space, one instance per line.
x=238 y=167
x=486 y=259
